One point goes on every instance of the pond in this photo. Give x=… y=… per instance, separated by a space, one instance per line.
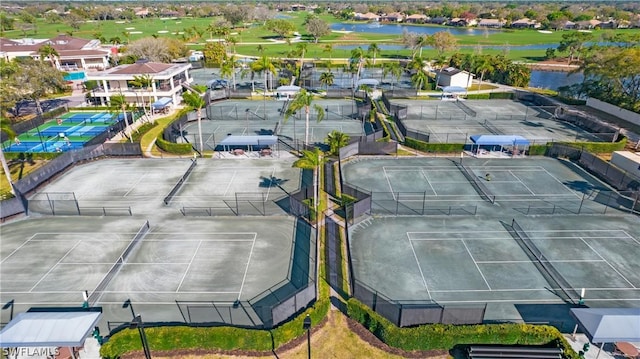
x=397 y=29
x=554 y=79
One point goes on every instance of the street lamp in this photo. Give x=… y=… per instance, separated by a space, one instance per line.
x=306 y=325
x=127 y=304
x=137 y=323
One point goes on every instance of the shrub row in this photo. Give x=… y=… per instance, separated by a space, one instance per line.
x=433 y=147
x=31 y=155
x=491 y=96
x=176 y=148
x=570 y=101
x=592 y=147
x=442 y=336
x=225 y=338
x=142 y=130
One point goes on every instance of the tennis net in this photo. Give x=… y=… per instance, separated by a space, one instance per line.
x=550 y=272
x=493 y=129
x=482 y=190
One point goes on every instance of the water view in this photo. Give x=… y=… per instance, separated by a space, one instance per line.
x=554 y=79
x=397 y=29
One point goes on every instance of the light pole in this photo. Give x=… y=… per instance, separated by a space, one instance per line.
x=127 y=304
x=137 y=323
x=306 y=325
x=8 y=305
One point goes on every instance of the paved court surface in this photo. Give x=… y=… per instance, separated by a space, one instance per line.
x=51 y=260
x=474 y=258
x=454 y=122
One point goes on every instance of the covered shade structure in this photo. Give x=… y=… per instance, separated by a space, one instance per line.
x=250 y=143
x=50 y=327
x=513 y=143
x=162 y=103
x=287 y=92
x=608 y=325
x=452 y=92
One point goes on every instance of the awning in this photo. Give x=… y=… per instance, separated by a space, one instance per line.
x=49 y=329
x=265 y=140
x=288 y=89
x=609 y=325
x=162 y=102
x=368 y=82
x=453 y=89
x=499 y=140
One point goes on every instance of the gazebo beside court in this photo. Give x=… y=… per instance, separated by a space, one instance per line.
x=371 y=83
x=284 y=93
x=44 y=330
x=512 y=144
x=237 y=145
x=619 y=326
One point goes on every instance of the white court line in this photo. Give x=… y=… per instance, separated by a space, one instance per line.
x=135 y=185
x=188 y=266
x=563 y=185
x=428 y=182
x=552 y=261
x=246 y=269
x=194 y=240
x=393 y=194
x=230 y=182
x=55 y=265
x=476 y=264
x=17 y=249
x=630 y=236
x=522 y=183
x=424 y=280
x=273 y=172
x=609 y=264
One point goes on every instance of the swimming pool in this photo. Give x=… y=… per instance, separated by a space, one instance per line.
x=73 y=76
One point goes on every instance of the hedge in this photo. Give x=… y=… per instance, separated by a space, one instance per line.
x=168 y=338
x=142 y=130
x=444 y=336
x=491 y=96
x=31 y=155
x=592 y=147
x=570 y=101
x=176 y=148
x=433 y=147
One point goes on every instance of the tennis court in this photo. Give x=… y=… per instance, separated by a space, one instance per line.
x=454 y=122
x=130 y=245
x=266 y=117
x=483 y=256
x=67 y=132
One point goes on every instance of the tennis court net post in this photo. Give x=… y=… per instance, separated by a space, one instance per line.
x=533 y=252
x=482 y=190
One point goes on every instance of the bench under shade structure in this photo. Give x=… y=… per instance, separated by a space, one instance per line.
x=608 y=325
x=514 y=144
x=248 y=143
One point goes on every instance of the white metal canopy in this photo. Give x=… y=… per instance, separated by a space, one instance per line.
x=49 y=329
x=609 y=325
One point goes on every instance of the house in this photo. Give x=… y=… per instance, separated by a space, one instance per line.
x=525 y=23
x=168 y=82
x=492 y=23
x=73 y=53
x=569 y=25
x=416 y=19
x=456 y=21
x=450 y=76
x=393 y=17
x=588 y=24
x=298 y=7
x=440 y=20
x=367 y=17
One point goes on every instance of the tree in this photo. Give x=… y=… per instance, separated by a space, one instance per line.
x=118 y=103
x=154 y=50
x=304 y=100
x=483 y=65
x=143 y=82
x=48 y=52
x=373 y=50
x=7 y=130
x=74 y=20
x=228 y=69
x=318 y=28
x=266 y=66
x=194 y=99
x=6 y=23
x=235 y=14
x=336 y=140
x=280 y=27
x=443 y=41
x=214 y=53
x=420 y=79
x=392 y=68
x=35 y=79
x=573 y=43
x=312 y=160
x=327 y=78
x=328 y=47
x=357 y=58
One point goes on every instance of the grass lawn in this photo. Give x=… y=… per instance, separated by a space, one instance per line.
x=18 y=170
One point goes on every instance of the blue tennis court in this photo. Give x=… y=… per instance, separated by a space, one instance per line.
x=67 y=132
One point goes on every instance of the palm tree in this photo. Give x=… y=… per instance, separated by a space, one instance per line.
x=483 y=65
x=301 y=48
x=233 y=41
x=357 y=56
x=393 y=68
x=47 y=51
x=143 y=82
x=118 y=103
x=7 y=130
x=312 y=160
x=419 y=79
x=374 y=51
x=304 y=100
x=228 y=69
x=336 y=140
x=326 y=78
x=195 y=100
x=266 y=66
x=260 y=49
x=328 y=48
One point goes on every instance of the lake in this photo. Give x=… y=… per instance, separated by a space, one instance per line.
x=553 y=79
x=397 y=29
